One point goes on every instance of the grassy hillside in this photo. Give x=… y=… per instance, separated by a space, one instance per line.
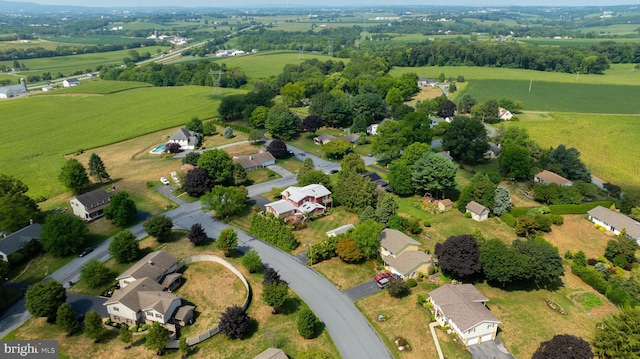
x=609 y=144
x=39 y=130
x=561 y=97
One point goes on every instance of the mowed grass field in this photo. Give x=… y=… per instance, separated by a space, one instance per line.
x=609 y=144
x=560 y=97
x=40 y=130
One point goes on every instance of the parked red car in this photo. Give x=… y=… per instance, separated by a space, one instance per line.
x=381 y=276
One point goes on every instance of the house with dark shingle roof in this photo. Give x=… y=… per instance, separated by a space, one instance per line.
x=478 y=211
x=462 y=308
x=615 y=222
x=91 y=205
x=143 y=301
x=159 y=266
x=188 y=140
x=255 y=161
x=377 y=180
x=550 y=177
x=401 y=254
x=14 y=242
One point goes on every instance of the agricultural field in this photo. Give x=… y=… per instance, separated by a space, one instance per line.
x=82 y=62
x=267 y=63
x=560 y=97
x=612 y=146
x=92 y=40
x=86 y=121
x=618 y=74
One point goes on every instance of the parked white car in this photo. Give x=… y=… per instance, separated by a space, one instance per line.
x=164 y=180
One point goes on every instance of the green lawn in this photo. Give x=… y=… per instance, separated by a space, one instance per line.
x=560 y=97
x=54 y=125
x=608 y=144
x=93 y=40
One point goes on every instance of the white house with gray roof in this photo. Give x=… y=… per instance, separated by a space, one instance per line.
x=615 y=222
x=91 y=205
x=462 y=308
x=159 y=266
x=188 y=140
x=14 y=242
x=478 y=211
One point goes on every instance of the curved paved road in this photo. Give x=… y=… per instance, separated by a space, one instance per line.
x=351 y=333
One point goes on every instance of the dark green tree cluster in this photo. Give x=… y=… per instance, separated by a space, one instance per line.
x=95 y=273
x=354 y=192
x=124 y=247
x=121 y=210
x=522 y=262
x=225 y=201
x=16 y=208
x=44 y=298
x=466 y=140
x=618 y=335
x=366 y=236
x=73 y=175
x=307 y=322
x=64 y=234
x=252 y=261
x=159 y=227
x=273 y=231
x=480 y=189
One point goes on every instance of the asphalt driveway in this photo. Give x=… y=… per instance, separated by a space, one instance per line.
x=362 y=290
x=490 y=350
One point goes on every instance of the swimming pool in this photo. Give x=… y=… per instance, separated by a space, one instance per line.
x=158 y=149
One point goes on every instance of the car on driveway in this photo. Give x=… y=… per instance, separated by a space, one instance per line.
x=382 y=279
x=383 y=282
x=164 y=181
x=86 y=251
x=332 y=172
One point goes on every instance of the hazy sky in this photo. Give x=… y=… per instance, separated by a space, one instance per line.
x=283 y=3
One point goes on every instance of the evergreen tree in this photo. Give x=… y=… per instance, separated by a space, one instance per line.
x=66 y=318
x=97 y=169
x=93 y=325
x=197 y=235
x=307 y=323
x=234 y=322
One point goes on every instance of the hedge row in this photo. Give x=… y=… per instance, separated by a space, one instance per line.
x=273 y=231
x=235 y=127
x=519 y=211
x=582 y=208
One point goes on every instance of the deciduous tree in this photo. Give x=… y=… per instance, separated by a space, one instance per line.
x=121 y=209
x=564 y=346
x=93 y=325
x=218 y=165
x=159 y=227
x=354 y=192
x=73 y=175
x=271 y=276
x=195 y=125
x=197 y=182
x=352 y=161
x=434 y=173
x=97 y=169
x=347 y=250
x=191 y=158
x=156 y=337
x=336 y=149
x=397 y=288
x=239 y=174
x=446 y=109
x=252 y=261
x=225 y=201
x=44 y=298
x=95 y=273
x=255 y=136
x=16 y=208
x=466 y=140
x=569 y=161
x=282 y=124
x=275 y=294
x=234 y=322
x=479 y=189
x=197 y=235
x=124 y=247
x=66 y=318
x=459 y=256
x=307 y=165
x=278 y=148
x=515 y=162
x=63 y=234
x=399 y=177
x=366 y=235
x=392 y=137
x=312 y=123
x=315 y=177
x=227 y=241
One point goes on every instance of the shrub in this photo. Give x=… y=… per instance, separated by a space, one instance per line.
x=307 y=323
x=582 y=208
x=596 y=226
x=592 y=261
x=509 y=219
x=467 y=215
x=426 y=223
x=568 y=254
x=602 y=229
x=519 y=211
x=347 y=250
x=420 y=299
x=411 y=283
x=397 y=288
x=557 y=219
x=15 y=258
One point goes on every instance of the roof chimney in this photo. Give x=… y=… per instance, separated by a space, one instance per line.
x=150 y=262
x=31 y=221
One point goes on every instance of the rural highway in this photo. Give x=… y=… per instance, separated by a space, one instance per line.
x=349 y=330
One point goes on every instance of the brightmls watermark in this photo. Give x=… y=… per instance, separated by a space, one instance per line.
x=32 y=349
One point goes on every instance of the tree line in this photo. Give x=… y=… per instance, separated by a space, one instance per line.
x=66 y=50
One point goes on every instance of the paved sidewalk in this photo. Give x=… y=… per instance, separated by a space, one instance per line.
x=432 y=327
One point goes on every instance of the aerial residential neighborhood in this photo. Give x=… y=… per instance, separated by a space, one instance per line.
x=313 y=181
